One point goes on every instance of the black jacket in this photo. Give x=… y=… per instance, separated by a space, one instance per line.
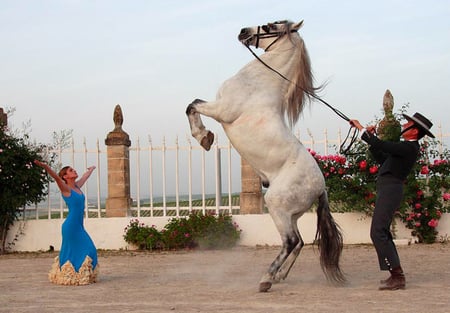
x=395 y=158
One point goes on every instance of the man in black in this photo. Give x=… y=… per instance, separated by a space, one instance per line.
x=397 y=160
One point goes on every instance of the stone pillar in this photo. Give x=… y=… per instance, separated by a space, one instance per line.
x=251 y=200
x=119 y=201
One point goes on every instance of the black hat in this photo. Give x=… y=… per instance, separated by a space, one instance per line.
x=422 y=122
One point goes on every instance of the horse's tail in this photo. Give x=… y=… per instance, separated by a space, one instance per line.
x=330 y=241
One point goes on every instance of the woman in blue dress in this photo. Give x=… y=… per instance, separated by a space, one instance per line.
x=77 y=260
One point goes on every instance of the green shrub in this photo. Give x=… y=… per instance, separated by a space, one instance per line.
x=195 y=231
x=21 y=183
x=178 y=234
x=142 y=236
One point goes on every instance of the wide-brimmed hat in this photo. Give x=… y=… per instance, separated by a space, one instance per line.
x=422 y=122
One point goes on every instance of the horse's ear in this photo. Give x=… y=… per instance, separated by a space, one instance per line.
x=297 y=26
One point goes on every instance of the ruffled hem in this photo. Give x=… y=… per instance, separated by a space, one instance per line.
x=66 y=274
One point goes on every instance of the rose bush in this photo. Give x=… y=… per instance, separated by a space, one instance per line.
x=351 y=181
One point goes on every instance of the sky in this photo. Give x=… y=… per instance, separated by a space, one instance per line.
x=65 y=64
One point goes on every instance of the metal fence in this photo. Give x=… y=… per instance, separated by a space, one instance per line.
x=168 y=179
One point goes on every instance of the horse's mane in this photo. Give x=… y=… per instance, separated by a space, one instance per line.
x=301 y=89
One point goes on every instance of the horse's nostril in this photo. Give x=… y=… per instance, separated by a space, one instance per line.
x=244 y=34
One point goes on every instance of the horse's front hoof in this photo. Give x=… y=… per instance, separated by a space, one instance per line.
x=207 y=141
x=265 y=286
x=190 y=109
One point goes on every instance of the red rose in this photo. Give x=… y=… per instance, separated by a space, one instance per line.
x=373 y=169
x=363 y=165
x=425 y=170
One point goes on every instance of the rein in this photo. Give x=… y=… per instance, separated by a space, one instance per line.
x=350 y=135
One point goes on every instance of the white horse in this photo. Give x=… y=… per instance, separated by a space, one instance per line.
x=253 y=107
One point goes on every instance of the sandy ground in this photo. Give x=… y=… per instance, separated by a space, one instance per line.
x=227 y=281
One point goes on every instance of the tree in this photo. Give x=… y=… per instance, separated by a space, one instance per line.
x=21 y=183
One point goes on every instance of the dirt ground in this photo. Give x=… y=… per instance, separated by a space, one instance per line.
x=227 y=281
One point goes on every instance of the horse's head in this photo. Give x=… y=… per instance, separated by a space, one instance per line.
x=266 y=35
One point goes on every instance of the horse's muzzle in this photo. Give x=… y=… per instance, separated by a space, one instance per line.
x=245 y=36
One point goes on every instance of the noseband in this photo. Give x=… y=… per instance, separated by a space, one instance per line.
x=268 y=34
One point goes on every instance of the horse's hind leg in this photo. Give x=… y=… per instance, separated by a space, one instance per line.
x=290 y=260
x=291 y=243
x=198 y=130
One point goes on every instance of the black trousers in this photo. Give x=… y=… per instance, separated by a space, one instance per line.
x=389 y=197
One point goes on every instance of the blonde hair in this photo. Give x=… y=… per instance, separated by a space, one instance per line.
x=63 y=172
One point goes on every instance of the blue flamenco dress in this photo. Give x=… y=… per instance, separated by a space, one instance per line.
x=77 y=260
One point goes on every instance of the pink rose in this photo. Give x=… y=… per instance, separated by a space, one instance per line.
x=446 y=196
x=417 y=206
x=433 y=223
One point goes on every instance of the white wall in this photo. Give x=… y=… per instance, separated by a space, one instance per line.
x=257 y=229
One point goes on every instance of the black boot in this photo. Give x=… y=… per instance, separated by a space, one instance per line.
x=385 y=281
x=396 y=281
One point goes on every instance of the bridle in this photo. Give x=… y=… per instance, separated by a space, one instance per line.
x=268 y=34
x=352 y=133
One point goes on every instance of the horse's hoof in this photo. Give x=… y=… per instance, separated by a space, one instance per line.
x=265 y=286
x=207 y=141
x=190 y=109
x=277 y=279
x=198 y=101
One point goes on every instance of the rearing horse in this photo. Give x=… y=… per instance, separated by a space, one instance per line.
x=257 y=109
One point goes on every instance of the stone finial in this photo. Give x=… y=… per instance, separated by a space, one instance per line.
x=3 y=118
x=388 y=104
x=389 y=128
x=118 y=136
x=118 y=118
